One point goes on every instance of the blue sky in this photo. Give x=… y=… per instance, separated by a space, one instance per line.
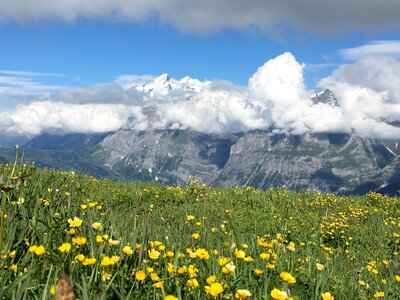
x=89 y=51
x=66 y=55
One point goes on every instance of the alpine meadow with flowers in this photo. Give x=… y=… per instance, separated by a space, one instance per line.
x=66 y=235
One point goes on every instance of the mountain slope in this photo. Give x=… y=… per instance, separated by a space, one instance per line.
x=332 y=162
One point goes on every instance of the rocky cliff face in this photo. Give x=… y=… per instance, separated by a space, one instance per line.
x=332 y=162
x=327 y=162
x=169 y=156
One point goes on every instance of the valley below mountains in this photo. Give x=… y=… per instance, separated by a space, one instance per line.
x=329 y=162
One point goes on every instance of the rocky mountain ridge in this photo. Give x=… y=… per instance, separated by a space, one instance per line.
x=329 y=162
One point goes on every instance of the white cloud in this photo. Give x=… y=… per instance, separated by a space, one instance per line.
x=276 y=98
x=58 y=117
x=373 y=48
x=211 y=15
x=369 y=95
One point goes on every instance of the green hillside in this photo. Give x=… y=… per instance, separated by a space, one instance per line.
x=127 y=240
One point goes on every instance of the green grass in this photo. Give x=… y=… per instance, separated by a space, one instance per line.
x=352 y=238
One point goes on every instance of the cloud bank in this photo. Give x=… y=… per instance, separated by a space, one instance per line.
x=210 y=15
x=276 y=98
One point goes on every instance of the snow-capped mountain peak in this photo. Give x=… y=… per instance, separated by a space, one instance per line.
x=164 y=84
x=325 y=96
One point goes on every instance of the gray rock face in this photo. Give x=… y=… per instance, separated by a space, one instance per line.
x=331 y=162
x=326 y=162
x=169 y=156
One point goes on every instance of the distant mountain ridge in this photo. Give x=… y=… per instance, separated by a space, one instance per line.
x=329 y=162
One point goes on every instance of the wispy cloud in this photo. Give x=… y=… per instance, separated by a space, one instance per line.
x=30 y=74
x=26 y=83
x=317 y=67
x=374 y=48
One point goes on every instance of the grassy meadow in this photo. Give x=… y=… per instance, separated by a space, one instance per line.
x=127 y=240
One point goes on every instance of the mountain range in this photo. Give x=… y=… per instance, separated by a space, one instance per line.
x=340 y=163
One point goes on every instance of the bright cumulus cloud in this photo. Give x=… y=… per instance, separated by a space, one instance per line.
x=276 y=98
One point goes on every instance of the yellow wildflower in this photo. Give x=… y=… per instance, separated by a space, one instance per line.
x=320 y=267
x=105 y=275
x=99 y=239
x=80 y=257
x=76 y=222
x=14 y=268
x=195 y=235
x=112 y=242
x=97 y=226
x=170 y=268
x=127 y=250
x=154 y=276
x=215 y=289
x=158 y=285
x=154 y=254
x=106 y=261
x=89 y=261
x=40 y=250
x=170 y=254
x=291 y=247
x=79 y=240
x=240 y=253
x=361 y=283
x=202 y=254
x=189 y=218
x=65 y=247
x=278 y=294
x=32 y=248
x=327 y=296
x=287 y=277
x=211 y=279
x=140 y=275
x=242 y=294
x=170 y=297
x=258 y=272
x=379 y=294
x=193 y=283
